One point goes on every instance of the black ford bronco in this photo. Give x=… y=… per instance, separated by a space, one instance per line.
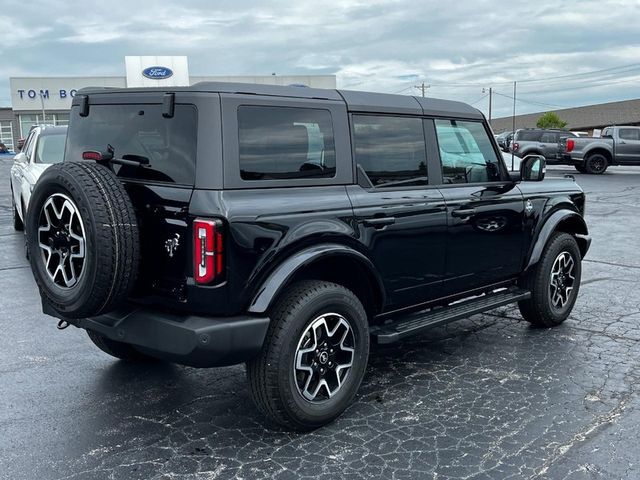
x=288 y=227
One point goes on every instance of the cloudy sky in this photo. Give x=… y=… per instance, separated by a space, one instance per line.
x=457 y=47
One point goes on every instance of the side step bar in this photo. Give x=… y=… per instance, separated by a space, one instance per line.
x=417 y=322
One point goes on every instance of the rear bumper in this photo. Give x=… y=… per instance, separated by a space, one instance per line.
x=186 y=339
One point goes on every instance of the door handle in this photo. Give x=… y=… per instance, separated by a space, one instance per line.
x=379 y=222
x=463 y=212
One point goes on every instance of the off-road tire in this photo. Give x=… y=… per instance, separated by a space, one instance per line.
x=539 y=310
x=270 y=375
x=596 y=164
x=111 y=239
x=120 y=350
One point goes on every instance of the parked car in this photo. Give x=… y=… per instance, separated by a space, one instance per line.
x=504 y=140
x=287 y=228
x=43 y=147
x=617 y=146
x=538 y=141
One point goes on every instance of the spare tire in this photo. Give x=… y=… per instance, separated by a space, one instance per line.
x=82 y=239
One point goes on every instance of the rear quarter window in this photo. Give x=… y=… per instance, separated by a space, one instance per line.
x=168 y=143
x=529 y=136
x=278 y=143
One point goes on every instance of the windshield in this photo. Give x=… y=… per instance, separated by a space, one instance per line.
x=50 y=148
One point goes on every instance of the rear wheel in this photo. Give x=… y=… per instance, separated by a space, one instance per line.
x=596 y=164
x=120 y=350
x=314 y=356
x=554 y=282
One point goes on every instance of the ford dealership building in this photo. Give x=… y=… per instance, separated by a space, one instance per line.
x=37 y=100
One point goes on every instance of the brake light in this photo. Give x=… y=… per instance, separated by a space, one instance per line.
x=515 y=146
x=91 y=155
x=570 y=144
x=208 y=253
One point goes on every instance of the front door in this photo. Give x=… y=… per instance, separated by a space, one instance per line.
x=401 y=219
x=485 y=210
x=628 y=145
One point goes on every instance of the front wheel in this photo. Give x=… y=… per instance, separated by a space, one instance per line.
x=314 y=356
x=580 y=168
x=18 y=224
x=554 y=282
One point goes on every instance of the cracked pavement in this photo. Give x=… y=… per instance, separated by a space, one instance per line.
x=488 y=397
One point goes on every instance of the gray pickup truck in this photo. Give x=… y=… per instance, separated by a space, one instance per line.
x=617 y=146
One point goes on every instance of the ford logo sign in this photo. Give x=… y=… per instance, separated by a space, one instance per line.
x=157 y=73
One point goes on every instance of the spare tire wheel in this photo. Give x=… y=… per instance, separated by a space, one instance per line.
x=83 y=239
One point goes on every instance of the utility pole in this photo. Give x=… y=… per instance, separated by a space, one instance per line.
x=513 y=123
x=422 y=87
x=490 y=100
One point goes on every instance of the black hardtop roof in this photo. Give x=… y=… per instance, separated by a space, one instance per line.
x=355 y=100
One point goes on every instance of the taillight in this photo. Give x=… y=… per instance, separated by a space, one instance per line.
x=91 y=155
x=208 y=253
x=570 y=144
x=515 y=146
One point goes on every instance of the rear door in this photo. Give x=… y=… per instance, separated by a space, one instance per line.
x=485 y=210
x=401 y=219
x=135 y=127
x=549 y=144
x=628 y=145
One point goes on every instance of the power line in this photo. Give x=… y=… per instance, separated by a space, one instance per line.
x=530 y=101
x=480 y=99
x=404 y=90
x=608 y=72
x=579 y=87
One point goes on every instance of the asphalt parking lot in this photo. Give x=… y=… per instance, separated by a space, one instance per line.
x=485 y=398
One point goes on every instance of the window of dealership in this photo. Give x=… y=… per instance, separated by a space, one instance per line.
x=28 y=120
x=6 y=134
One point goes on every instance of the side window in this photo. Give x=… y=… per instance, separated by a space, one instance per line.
x=285 y=142
x=529 y=136
x=27 y=144
x=629 y=133
x=549 y=137
x=466 y=152
x=391 y=150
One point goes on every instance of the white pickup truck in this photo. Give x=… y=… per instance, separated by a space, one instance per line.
x=617 y=146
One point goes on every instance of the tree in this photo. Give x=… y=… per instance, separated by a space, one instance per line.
x=551 y=120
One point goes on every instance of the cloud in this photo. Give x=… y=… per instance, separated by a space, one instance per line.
x=382 y=45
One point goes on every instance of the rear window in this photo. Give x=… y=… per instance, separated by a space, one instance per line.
x=168 y=143
x=529 y=136
x=285 y=142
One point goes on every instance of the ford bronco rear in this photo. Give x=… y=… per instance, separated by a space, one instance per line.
x=288 y=227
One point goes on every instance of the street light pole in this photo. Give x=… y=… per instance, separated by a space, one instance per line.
x=42 y=104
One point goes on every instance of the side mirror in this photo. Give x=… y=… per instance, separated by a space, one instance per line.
x=533 y=168
x=21 y=157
